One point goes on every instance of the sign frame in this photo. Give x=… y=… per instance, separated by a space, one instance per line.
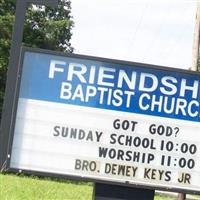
x=8 y=121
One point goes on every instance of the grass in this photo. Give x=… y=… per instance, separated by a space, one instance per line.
x=32 y=188
x=162 y=197
x=22 y=187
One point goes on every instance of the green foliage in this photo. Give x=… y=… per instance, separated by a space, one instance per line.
x=44 y=27
x=6 y=20
x=49 y=28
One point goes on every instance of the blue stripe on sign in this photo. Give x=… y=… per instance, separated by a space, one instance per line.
x=111 y=86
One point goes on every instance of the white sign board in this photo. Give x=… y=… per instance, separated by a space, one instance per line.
x=108 y=121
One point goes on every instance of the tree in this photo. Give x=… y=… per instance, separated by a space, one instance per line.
x=44 y=27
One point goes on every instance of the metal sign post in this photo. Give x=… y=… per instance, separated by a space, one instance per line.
x=10 y=93
x=111 y=192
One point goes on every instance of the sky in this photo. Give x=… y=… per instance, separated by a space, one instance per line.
x=158 y=32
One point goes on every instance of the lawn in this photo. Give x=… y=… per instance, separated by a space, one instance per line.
x=33 y=188
x=14 y=187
